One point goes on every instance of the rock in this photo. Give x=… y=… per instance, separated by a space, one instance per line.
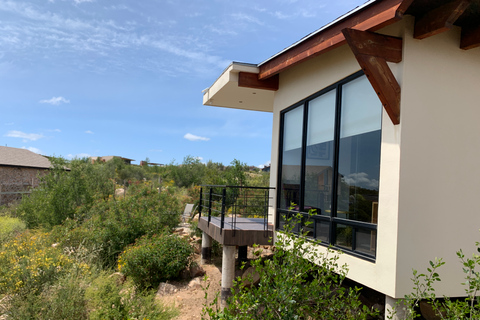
x=427 y=311
x=120 y=192
x=195 y=284
x=119 y=277
x=196 y=271
x=250 y=277
x=178 y=230
x=165 y=289
x=197 y=249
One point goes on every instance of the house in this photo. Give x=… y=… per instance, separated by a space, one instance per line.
x=375 y=127
x=20 y=170
x=108 y=158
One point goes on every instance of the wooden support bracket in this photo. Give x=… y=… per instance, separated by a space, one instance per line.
x=470 y=37
x=440 y=19
x=372 y=52
x=250 y=80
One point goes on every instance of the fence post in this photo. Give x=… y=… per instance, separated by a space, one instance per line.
x=200 y=204
x=210 y=206
x=222 y=222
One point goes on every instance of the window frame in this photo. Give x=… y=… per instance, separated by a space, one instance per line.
x=332 y=220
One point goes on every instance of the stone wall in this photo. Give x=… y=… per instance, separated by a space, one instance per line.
x=17 y=179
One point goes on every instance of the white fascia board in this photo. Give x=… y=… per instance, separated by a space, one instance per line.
x=225 y=91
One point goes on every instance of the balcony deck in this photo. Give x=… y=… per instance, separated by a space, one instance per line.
x=244 y=232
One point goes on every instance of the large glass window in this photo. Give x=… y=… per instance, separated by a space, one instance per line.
x=331 y=141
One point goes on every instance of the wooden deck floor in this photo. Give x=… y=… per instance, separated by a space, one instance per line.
x=247 y=231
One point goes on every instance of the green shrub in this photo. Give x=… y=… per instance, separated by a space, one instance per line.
x=28 y=262
x=116 y=223
x=64 y=299
x=9 y=227
x=446 y=308
x=107 y=301
x=65 y=193
x=155 y=259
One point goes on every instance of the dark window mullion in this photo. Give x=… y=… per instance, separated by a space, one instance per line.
x=304 y=157
x=336 y=146
x=280 y=163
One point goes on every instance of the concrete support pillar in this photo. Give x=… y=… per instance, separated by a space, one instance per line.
x=242 y=254
x=228 y=272
x=206 y=249
x=391 y=305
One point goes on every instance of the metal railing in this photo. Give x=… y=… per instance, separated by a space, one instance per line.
x=230 y=202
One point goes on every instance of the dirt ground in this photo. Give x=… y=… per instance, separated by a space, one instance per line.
x=189 y=297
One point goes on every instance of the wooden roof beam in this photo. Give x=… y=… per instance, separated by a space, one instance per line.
x=440 y=19
x=372 y=52
x=470 y=37
x=378 y=15
x=250 y=80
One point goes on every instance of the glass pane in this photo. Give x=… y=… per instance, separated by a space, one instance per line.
x=366 y=241
x=344 y=236
x=359 y=152
x=321 y=230
x=319 y=154
x=291 y=158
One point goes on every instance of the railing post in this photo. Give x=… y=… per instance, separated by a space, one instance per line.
x=224 y=198
x=265 y=211
x=210 y=206
x=200 y=205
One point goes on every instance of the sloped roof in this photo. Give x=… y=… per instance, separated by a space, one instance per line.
x=22 y=158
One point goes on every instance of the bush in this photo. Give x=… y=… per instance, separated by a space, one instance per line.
x=28 y=262
x=155 y=259
x=114 y=224
x=108 y=300
x=9 y=227
x=446 y=308
x=292 y=287
x=62 y=193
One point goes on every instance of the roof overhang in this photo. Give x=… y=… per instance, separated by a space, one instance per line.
x=252 y=87
x=238 y=87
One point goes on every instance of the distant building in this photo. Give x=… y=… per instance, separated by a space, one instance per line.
x=20 y=170
x=108 y=158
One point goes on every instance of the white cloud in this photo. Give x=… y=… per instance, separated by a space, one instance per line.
x=9 y=124
x=247 y=18
x=80 y=1
x=193 y=137
x=55 y=101
x=36 y=150
x=54 y=130
x=361 y=179
x=89 y=132
x=24 y=136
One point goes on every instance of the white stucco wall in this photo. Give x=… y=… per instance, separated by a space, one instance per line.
x=439 y=157
x=429 y=163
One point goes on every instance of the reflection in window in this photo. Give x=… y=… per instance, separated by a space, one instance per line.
x=319 y=153
x=331 y=141
x=291 y=158
x=359 y=152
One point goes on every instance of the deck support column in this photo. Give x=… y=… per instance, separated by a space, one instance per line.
x=206 y=249
x=228 y=273
x=390 y=304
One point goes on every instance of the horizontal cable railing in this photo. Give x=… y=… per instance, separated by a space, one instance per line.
x=232 y=202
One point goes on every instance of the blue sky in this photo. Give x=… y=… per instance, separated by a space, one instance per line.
x=103 y=77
